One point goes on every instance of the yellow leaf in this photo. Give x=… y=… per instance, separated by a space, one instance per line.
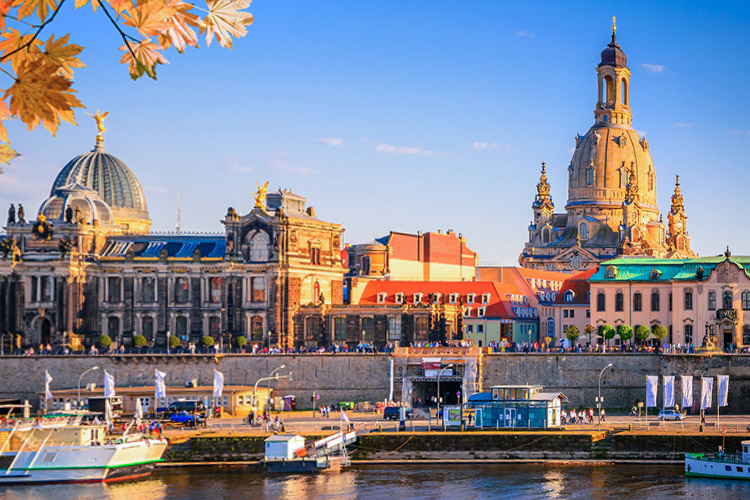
x=81 y=3
x=5 y=6
x=42 y=8
x=149 y=17
x=120 y=6
x=147 y=56
x=179 y=31
x=58 y=52
x=41 y=94
x=11 y=41
x=225 y=21
x=6 y=154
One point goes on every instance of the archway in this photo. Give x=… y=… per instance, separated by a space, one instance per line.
x=45 y=329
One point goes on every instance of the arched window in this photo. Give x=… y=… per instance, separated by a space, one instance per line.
x=610 y=90
x=214 y=326
x=746 y=335
x=651 y=178
x=147 y=327
x=259 y=247
x=654 y=301
x=590 y=175
x=619 y=301
x=745 y=300
x=727 y=300
x=569 y=296
x=583 y=231
x=181 y=326
x=113 y=327
x=545 y=235
x=316 y=292
x=182 y=290
x=600 y=302
x=688 y=301
x=688 y=334
x=624 y=92
x=256 y=327
x=551 y=327
x=637 y=301
x=712 y=301
x=624 y=176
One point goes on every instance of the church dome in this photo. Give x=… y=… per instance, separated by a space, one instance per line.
x=613 y=55
x=85 y=204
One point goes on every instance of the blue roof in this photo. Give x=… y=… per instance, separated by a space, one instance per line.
x=641 y=268
x=150 y=246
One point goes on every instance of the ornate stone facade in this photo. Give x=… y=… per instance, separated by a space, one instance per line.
x=612 y=207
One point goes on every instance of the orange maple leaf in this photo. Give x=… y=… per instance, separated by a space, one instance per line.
x=179 y=31
x=4 y=115
x=11 y=41
x=225 y=21
x=63 y=54
x=42 y=8
x=41 y=94
x=147 y=57
x=149 y=17
x=5 y=6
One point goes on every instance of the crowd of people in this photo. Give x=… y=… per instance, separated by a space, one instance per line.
x=581 y=416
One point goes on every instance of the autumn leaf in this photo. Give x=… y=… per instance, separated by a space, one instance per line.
x=4 y=115
x=225 y=21
x=11 y=41
x=179 y=33
x=147 y=56
x=64 y=55
x=41 y=94
x=6 y=154
x=149 y=17
x=42 y=8
x=5 y=6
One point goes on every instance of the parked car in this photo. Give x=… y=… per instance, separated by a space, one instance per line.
x=187 y=406
x=394 y=413
x=671 y=415
x=183 y=417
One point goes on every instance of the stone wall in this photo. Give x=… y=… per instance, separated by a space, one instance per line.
x=365 y=377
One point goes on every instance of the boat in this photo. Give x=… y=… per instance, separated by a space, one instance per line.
x=65 y=450
x=287 y=453
x=719 y=465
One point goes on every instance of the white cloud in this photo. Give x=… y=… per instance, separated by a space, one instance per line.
x=683 y=124
x=157 y=189
x=525 y=33
x=283 y=166
x=402 y=150
x=243 y=169
x=653 y=68
x=331 y=141
x=478 y=146
x=737 y=131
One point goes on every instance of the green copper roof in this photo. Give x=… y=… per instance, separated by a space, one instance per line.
x=641 y=268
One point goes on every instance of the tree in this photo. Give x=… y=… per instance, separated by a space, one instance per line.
x=104 y=341
x=140 y=341
x=642 y=333
x=608 y=332
x=660 y=332
x=571 y=332
x=207 y=341
x=625 y=332
x=589 y=329
x=174 y=341
x=241 y=341
x=41 y=71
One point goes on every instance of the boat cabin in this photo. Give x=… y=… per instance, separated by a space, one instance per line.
x=283 y=446
x=517 y=406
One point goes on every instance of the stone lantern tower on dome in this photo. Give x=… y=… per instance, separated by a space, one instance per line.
x=612 y=207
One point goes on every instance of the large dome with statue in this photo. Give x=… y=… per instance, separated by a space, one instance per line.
x=114 y=181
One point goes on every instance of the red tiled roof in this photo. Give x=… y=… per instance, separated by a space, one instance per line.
x=498 y=306
x=579 y=285
x=430 y=247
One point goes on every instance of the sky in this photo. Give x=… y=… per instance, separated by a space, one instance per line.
x=413 y=115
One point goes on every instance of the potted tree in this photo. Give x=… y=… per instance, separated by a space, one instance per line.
x=572 y=332
x=241 y=341
x=139 y=341
x=660 y=332
x=608 y=332
x=625 y=332
x=104 y=341
x=642 y=333
x=207 y=342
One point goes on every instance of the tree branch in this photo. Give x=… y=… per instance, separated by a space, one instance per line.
x=124 y=35
x=33 y=38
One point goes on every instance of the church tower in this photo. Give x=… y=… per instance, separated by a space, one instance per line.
x=678 y=242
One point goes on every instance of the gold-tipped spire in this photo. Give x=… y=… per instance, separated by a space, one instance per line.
x=614 y=25
x=99 y=119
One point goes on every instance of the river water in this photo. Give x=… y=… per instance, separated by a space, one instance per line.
x=628 y=482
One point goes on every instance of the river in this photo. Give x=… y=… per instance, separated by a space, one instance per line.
x=628 y=482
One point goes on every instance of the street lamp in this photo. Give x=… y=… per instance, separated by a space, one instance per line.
x=438 y=386
x=255 y=389
x=79 y=382
x=599 y=399
x=529 y=340
x=268 y=386
x=168 y=335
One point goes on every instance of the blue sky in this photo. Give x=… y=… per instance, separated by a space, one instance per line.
x=414 y=115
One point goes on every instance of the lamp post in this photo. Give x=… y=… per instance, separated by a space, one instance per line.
x=268 y=386
x=438 y=387
x=599 y=399
x=168 y=335
x=263 y=379
x=79 y=382
x=529 y=340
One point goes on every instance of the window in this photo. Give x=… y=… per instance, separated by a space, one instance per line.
x=399 y=298
x=590 y=175
x=453 y=298
x=688 y=301
x=470 y=298
x=565 y=313
x=114 y=286
x=623 y=176
x=365 y=265
x=588 y=313
x=481 y=311
x=381 y=297
x=637 y=301
x=746 y=335
x=688 y=334
x=572 y=313
x=421 y=328
x=214 y=326
x=480 y=328
x=654 y=301
x=485 y=298
x=147 y=327
x=600 y=302
x=258 y=291
x=315 y=256
x=113 y=327
x=745 y=300
x=259 y=246
x=34 y=289
x=619 y=302
x=339 y=328
x=181 y=326
x=583 y=231
x=417 y=298
x=712 y=301
x=467 y=312
x=148 y=290
x=182 y=290
x=214 y=290
x=436 y=298
x=569 y=295
x=670 y=301
x=394 y=328
x=727 y=300
x=469 y=329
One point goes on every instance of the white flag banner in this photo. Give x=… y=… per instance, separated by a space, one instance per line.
x=707 y=389
x=218 y=384
x=108 y=412
x=652 y=381
x=687 y=391
x=47 y=381
x=668 y=391
x=343 y=415
x=109 y=385
x=160 y=388
x=138 y=412
x=723 y=393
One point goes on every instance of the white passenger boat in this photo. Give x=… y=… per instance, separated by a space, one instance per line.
x=62 y=450
x=719 y=465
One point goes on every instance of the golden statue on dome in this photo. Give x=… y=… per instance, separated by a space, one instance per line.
x=99 y=119
x=260 y=195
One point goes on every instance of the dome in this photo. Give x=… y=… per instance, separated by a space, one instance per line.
x=613 y=55
x=83 y=202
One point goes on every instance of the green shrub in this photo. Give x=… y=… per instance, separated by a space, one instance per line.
x=174 y=341
x=608 y=332
x=104 y=341
x=642 y=332
x=240 y=341
x=625 y=332
x=572 y=332
x=140 y=341
x=207 y=341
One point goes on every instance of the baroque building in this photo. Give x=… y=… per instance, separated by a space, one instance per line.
x=87 y=265
x=612 y=207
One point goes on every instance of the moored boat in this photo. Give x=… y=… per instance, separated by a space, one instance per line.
x=719 y=465
x=62 y=450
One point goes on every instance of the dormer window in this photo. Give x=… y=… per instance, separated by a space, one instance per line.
x=467 y=312
x=485 y=298
x=453 y=298
x=436 y=298
x=470 y=298
x=417 y=298
x=569 y=296
x=611 y=272
x=481 y=311
x=655 y=273
x=400 y=298
x=381 y=297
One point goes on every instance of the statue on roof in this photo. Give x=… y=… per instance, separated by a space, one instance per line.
x=11 y=215
x=21 y=214
x=99 y=118
x=69 y=215
x=260 y=195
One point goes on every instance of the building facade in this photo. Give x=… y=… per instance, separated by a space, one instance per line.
x=702 y=301
x=612 y=207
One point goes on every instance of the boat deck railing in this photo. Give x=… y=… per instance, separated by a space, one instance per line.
x=723 y=458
